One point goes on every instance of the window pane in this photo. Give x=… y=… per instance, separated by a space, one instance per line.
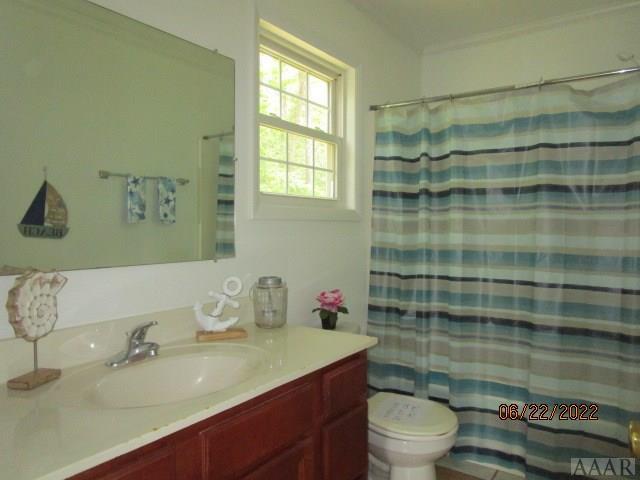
x=323 y=155
x=269 y=101
x=323 y=184
x=273 y=176
x=294 y=110
x=269 y=70
x=318 y=91
x=294 y=80
x=318 y=118
x=300 y=181
x=300 y=149
x=272 y=143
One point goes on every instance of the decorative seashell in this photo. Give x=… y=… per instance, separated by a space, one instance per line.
x=32 y=304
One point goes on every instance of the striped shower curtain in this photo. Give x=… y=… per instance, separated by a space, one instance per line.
x=225 y=231
x=505 y=275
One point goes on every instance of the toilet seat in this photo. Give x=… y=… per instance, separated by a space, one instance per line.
x=409 y=418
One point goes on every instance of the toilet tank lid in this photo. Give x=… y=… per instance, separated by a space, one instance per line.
x=409 y=415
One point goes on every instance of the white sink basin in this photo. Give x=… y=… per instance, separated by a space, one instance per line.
x=176 y=374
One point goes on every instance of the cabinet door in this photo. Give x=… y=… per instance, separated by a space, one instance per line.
x=345 y=387
x=294 y=464
x=345 y=446
x=155 y=465
x=239 y=444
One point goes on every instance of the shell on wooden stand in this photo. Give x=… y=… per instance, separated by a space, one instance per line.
x=32 y=304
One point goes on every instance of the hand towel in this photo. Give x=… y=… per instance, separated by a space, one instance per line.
x=136 y=203
x=167 y=200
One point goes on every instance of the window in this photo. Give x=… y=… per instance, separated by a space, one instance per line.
x=299 y=142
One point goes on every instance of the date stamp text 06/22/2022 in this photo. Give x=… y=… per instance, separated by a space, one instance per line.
x=544 y=411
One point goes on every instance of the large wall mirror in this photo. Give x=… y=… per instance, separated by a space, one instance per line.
x=116 y=141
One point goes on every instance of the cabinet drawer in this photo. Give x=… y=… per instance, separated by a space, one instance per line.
x=345 y=446
x=233 y=446
x=294 y=464
x=345 y=387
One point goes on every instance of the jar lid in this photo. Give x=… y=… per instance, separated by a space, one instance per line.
x=270 y=281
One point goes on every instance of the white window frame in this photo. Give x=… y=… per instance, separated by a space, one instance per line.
x=335 y=125
x=345 y=205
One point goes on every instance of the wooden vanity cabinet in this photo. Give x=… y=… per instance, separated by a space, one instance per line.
x=314 y=428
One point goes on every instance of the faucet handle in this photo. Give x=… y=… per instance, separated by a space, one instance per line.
x=139 y=333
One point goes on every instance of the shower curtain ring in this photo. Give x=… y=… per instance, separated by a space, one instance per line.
x=451 y=97
x=540 y=83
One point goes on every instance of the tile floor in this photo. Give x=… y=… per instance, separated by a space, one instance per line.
x=443 y=473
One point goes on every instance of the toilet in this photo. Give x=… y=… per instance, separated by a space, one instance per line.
x=410 y=434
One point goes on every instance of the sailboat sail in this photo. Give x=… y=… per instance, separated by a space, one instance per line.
x=35 y=213
x=47 y=215
x=56 y=211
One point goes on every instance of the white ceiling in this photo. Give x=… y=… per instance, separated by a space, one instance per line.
x=428 y=24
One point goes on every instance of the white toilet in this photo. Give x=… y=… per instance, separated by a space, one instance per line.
x=410 y=434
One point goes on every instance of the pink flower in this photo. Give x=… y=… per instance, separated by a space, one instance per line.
x=330 y=301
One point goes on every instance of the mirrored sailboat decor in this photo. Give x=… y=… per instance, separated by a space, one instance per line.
x=47 y=215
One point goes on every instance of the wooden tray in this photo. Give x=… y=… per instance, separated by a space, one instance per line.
x=232 y=333
x=31 y=380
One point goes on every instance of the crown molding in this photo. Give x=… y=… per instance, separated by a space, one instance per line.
x=540 y=25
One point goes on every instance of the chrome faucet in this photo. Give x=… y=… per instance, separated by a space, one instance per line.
x=137 y=348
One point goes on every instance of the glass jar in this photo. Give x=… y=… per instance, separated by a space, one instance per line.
x=269 y=302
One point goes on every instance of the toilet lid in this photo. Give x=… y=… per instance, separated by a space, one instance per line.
x=410 y=416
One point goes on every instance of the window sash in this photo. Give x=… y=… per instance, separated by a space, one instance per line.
x=313 y=170
x=282 y=54
x=262 y=84
x=275 y=122
x=296 y=164
x=314 y=197
x=305 y=61
x=316 y=67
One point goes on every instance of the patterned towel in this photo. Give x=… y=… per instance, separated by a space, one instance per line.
x=167 y=200
x=136 y=203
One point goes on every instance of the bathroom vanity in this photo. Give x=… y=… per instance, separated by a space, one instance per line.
x=311 y=428
x=301 y=414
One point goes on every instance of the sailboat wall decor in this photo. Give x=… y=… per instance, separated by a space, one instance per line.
x=47 y=215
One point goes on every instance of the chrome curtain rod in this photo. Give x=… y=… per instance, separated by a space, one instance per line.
x=219 y=135
x=506 y=88
x=105 y=174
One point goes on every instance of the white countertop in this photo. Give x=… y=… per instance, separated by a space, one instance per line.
x=42 y=439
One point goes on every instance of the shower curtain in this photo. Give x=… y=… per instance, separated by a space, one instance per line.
x=504 y=277
x=225 y=233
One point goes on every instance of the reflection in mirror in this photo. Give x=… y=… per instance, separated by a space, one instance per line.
x=116 y=141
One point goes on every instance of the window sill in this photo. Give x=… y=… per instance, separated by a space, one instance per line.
x=271 y=207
